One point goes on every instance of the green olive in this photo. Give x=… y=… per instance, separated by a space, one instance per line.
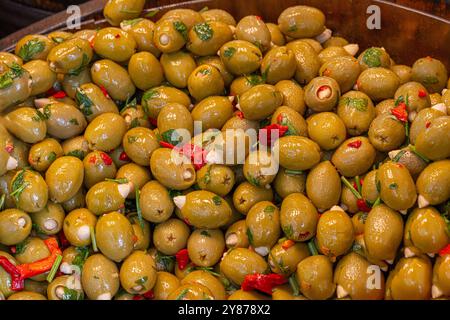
x=433 y=142
x=322 y=94
x=213 y=112
x=206 y=38
x=236 y=235
x=216 y=178
x=355 y=156
x=155 y=202
x=170 y=35
x=42 y=77
x=254 y=30
x=76 y=202
x=15 y=226
x=216 y=62
x=323 y=186
x=77 y=227
x=138 y=273
x=431 y=73
x=17 y=86
x=288 y=182
x=26 y=124
x=374 y=57
x=30 y=191
x=385 y=106
x=65 y=288
x=139 y=144
x=278 y=64
x=218 y=15
x=245 y=83
x=155 y=99
x=64 y=178
x=31 y=250
x=344 y=69
x=276 y=35
x=297 y=153
x=175 y=116
x=440 y=277
x=165 y=284
x=98 y=166
x=33 y=47
x=247 y=194
x=386 y=133
x=100 y=278
x=240 y=57
x=308 y=62
x=206 y=246
x=417 y=95
x=298 y=217
x=191 y=291
x=260 y=101
x=326 y=129
x=43 y=153
x=171 y=236
x=332 y=52
x=301 y=22
x=263 y=226
x=93 y=101
x=142 y=31
x=403 y=72
x=292 y=95
x=378 y=83
x=136 y=174
x=205 y=81
x=315 y=277
x=432 y=183
x=105 y=132
x=70 y=57
x=77 y=147
x=27 y=295
x=188 y=16
x=63 y=120
x=49 y=220
x=260 y=168
x=145 y=70
x=357 y=111
x=115 y=44
x=240 y=262
x=115 y=11
x=177 y=67
x=107 y=196
x=283 y=259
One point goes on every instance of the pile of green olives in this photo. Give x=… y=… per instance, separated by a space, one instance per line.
x=91 y=128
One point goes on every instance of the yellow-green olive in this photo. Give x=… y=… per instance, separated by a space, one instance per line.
x=278 y=64
x=357 y=111
x=240 y=262
x=355 y=156
x=105 y=132
x=213 y=112
x=323 y=186
x=30 y=190
x=33 y=47
x=78 y=225
x=297 y=153
x=378 y=83
x=138 y=272
x=432 y=184
x=288 y=181
x=301 y=22
x=155 y=99
x=240 y=57
x=205 y=247
x=15 y=226
x=205 y=81
x=115 y=11
x=260 y=101
x=175 y=117
x=71 y=56
x=307 y=60
x=142 y=31
x=326 y=129
x=26 y=124
x=247 y=194
x=43 y=153
x=177 y=67
x=254 y=30
x=345 y=70
x=298 y=217
x=374 y=57
x=64 y=178
x=165 y=284
x=431 y=73
x=16 y=87
x=293 y=95
x=315 y=277
x=155 y=202
x=171 y=236
x=386 y=133
x=206 y=38
x=145 y=70
x=42 y=77
x=139 y=144
x=170 y=35
x=322 y=94
x=49 y=220
x=98 y=166
x=115 y=44
x=100 y=278
x=434 y=141
x=93 y=101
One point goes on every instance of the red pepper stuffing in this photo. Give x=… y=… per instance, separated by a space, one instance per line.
x=262 y=282
x=273 y=131
x=362 y=205
x=287 y=244
x=422 y=93
x=123 y=156
x=106 y=159
x=182 y=257
x=355 y=144
x=196 y=154
x=445 y=250
x=240 y=114
x=400 y=112
x=9 y=148
x=59 y=95
x=427 y=124
x=105 y=93
x=153 y=121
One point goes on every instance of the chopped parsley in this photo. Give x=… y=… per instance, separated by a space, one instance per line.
x=30 y=49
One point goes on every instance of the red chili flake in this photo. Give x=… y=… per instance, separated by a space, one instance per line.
x=92 y=159
x=182 y=257
x=51 y=92
x=445 y=250
x=123 y=156
x=265 y=134
x=117 y=36
x=186 y=220
x=306 y=234
x=422 y=93
x=105 y=93
x=400 y=165
x=240 y=114
x=149 y=295
x=326 y=72
x=400 y=112
x=153 y=121
x=13 y=249
x=91 y=42
x=138 y=297
x=63 y=240
x=323 y=88
x=427 y=124
x=355 y=144
x=287 y=244
x=106 y=159
x=134 y=238
x=262 y=282
x=59 y=95
x=361 y=181
x=259 y=18
x=9 y=148
x=362 y=205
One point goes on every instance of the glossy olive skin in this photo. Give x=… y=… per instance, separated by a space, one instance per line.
x=5 y=182
x=33 y=249
x=115 y=44
x=155 y=99
x=323 y=185
x=114 y=78
x=260 y=101
x=425 y=230
x=105 y=132
x=216 y=178
x=263 y=223
x=105 y=196
x=286 y=116
x=208 y=280
x=240 y=57
x=236 y=235
x=383 y=232
x=293 y=95
x=357 y=111
x=287 y=182
x=315 y=277
x=260 y=168
x=397 y=187
x=170 y=35
x=433 y=182
x=64 y=178
x=177 y=67
x=191 y=291
x=77 y=225
x=15 y=226
x=142 y=31
x=97 y=167
x=298 y=217
x=410 y=280
x=77 y=147
x=440 y=276
x=345 y=70
x=145 y=70
x=335 y=233
x=171 y=236
x=205 y=81
x=301 y=22
x=71 y=83
x=165 y=284
x=216 y=62
x=284 y=259
x=136 y=174
x=139 y=144
x=433 y=142
x=206 y=38
x=175 y=116
x=240 y=262
x=204 y=209
x=206 y=246
x=403 y=72
x=5 y=278
x=42 y=154
x=418 y=97
x=115 y=11
x=138 y=273
x=218 y=15
x=386 y=133
x=247 y=194
x=352 y=274
x=326 y=129
x=278 y=64
x=431 y=73
x=297 y=153
x=26 y=295
x=374 y=57
x=26 y=125
x=351 y=161
x=168 y=172
x=76 y=202
x=254 y=30
x=213 y=112
x=308 y=63
x=18 y=91
x=71 y=56
x=422 y=120
x=64 y=120
x=41 y=43
x=93 y=102
x=49 y=221
x=34 y=195
x=155 y=202
x=378 y=83
x=100 y=278
x=322 y=94
x=41 y=75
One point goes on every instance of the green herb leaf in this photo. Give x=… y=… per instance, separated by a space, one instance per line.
x=84 y=102
x=430 y=80
x=2 y=201
x=293 y=28
x=172 y=136
x=7 y=78
x=141 y=281
x=358 y=248
x=254 y=181
x=362 y=216
x=254 y=79
x=93 y=239
x=294 y=285
x=77 y=153
x=54 y=268
x=293 y=172
x=250 y=236
x=132 y=139
x=130 y=22
x=359 y=104
x=217 y=201
x=228 y=52
x=203 y=9
x=72 y=294
x=204 y=72
x=399 y=100
x=398 y=156
x=42 y=116
x=139 y=210
x=393 y=186
x=84 y=64
x=74 y=122
x=37 y=229
x=166 y=261
x=288 y=231
x=182 y=294
x=134 y=123
x=151 y=13
x=205 y=233
x=269 y=209
x=119 y=181
x=80 y=258
x=57 y=40
x=130 y=11
x=51 y=156
x=312 y=247
x=181 y=28
x=175 y=193
x=150 y=94
x=18 y=185
x=30 y=49
x=372 y=57
x=204 y=31
x=20 y=248
x=207 y=177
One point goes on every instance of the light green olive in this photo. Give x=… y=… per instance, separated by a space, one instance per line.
x=15 y=226
x=254 y=30
x=49 y=220
x=177 y=67
x=42 y=77
x=139 y=144
x=71 y=56
x=105 y=132
x=323 y=186
x=240 y=57
x=16 y=87
x=297 y=153
x=106 y=196
x=205 y=81
x=293 y=95
x=307 y=60
x=378 y=83
x=33 y=47
x=145 y=70
x=206 y=38
x=100 y=278
x=213 y=112
x=301 y=22
x=278 y=64
x=260 y=101
x=357 y=111
x=93 y=101
x=155 y=99
x=26 y=124
x=115 y=11
x=64 y=178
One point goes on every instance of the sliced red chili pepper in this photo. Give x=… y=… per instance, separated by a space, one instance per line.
x=9 y=148
x=268 y=135
x=153 y=121
x=182 y=257
x=106 y=159
x=123 y=156
x=259 y=17
x=422 y=93
x=63 y=240
x=51 y=92
x=287 y=244
x=427 y=124
x=117 y=36
x=445 y=250
x=361 y=181
x=166 y=144
x=105 y=92
x=355 y=144
x=149 y=295
x=400 y=112
x=92 y=159
x=362 y=205
x=240 y=114
x=186 y=220
x=59 y=95
x=262 y=282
